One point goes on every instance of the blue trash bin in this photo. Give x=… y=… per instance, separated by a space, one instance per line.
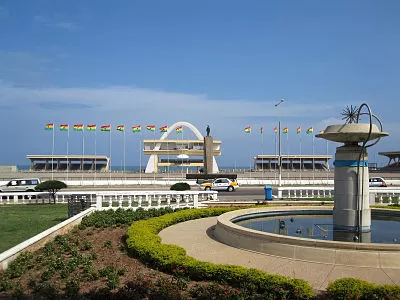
x=268 y=192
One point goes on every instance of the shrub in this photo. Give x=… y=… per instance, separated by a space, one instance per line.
x=351 y=288
x=144 y=243
x=180 y=186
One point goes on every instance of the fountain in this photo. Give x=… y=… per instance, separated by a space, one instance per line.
x=351 y=214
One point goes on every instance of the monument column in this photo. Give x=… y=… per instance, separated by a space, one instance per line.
x=208 y=154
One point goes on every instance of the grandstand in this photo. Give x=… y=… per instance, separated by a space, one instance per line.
x=63 y=163
x=292 y=162
x=394 y=160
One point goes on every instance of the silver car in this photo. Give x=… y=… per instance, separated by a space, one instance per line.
x=20 y=185
x=377 y=182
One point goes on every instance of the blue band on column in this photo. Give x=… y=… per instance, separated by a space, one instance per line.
x=350 y=163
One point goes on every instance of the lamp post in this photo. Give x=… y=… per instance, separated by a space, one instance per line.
x=279 y=145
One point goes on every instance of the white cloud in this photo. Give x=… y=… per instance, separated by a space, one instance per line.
x=154 y=104
x=56 y=21
x=25 y=107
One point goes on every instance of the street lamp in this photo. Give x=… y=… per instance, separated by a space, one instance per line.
x=279 y=144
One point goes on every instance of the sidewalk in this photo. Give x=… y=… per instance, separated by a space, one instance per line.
x=197 y=238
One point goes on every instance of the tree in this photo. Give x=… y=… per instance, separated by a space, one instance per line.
x=52 y=186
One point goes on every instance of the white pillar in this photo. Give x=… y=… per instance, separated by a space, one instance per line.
x=348 y=202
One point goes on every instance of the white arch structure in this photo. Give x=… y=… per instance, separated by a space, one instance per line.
x=150 y=168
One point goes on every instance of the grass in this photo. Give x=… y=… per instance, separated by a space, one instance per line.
x=20 y=222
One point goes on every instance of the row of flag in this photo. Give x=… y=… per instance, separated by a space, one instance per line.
x=309 y=130
x=152 y=128
x=93 y=127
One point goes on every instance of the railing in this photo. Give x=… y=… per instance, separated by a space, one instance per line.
x=385 y=195
x=119 y=199
x=377 y=195
x=153 y=199
x=24 y=198
x=305 y=192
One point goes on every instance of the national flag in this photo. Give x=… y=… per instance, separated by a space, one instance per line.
x=178 y=129
x=298 y=129
x=64 y=127
x=247 y=129
x=91 y=127
x=275 y=129
x=310 y=130
x=285 y=130
x=321 y=131
x=120 y=127
x=136 y=128
x=78 y=127
x=49 y=126
x=262 y=130
x=105 y=128
x=151 y=127
x=164 y=129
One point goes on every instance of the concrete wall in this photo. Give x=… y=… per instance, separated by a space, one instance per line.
x=41 y=239
x=8 y=169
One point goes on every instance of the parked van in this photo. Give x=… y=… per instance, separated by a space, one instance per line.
x=20 y=185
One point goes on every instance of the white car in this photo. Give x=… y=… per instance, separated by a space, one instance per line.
x=377 y=182
x=220 y=184
x=20 y=185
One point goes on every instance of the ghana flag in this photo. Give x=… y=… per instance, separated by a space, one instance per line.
x=151 y=127
x=136 y=128
x=64 y=127
x=49 y=126
x=285 y=130
x=310 y=130
x=105 y=128
x=178 y=129
x=247 y=129
x=78 y=127
x=121 y=128
x=91 y=127
x=163 y=129
x=276 y=129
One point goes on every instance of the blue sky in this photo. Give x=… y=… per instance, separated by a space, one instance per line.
x=222 y=63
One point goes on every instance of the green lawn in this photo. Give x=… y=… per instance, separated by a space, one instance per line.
x=20 y=222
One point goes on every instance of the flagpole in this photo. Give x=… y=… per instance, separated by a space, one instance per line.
x=250 y=155
x=262 y=152
x=300 y=156
x=109 y=168
x=95 y=153
x=313 y=157
x=52 y=156
x=287 y=153
x=279 y=142
x=182 y=150
x=124 y=153
x=154 y=161
x=83 y=154
x=168 y=159
x=140 y=157
x=67 y=153
x=275 y=156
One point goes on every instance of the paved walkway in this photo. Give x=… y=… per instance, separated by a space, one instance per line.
x=197 y=238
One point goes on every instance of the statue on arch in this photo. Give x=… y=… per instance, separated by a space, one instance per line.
x=208 y=130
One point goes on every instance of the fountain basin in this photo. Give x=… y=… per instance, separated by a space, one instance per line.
x=323 y=251
x=351 y=133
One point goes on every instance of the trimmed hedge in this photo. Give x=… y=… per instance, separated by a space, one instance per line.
x=351 y=288
x=180 y=186
x=144 y=243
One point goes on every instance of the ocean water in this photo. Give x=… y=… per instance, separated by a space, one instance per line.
x=137 y=168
